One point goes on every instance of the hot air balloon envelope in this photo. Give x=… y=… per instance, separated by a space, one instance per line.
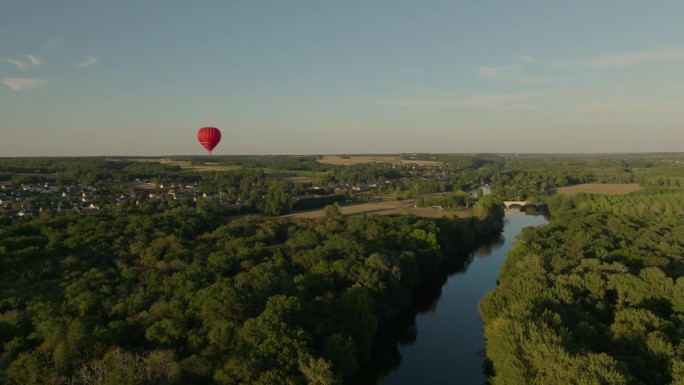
x=209 y=137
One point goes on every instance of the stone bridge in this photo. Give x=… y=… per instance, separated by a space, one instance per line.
x=508 y=204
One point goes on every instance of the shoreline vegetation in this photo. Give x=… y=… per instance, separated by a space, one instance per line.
x=595 y=296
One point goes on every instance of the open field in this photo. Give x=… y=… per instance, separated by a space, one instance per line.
x=345 y=161
x=285 y=174
x=300 y=176
x=383 y=208
x=432 y=213
x=186 y=165
x=142 y=185
x=599 y=188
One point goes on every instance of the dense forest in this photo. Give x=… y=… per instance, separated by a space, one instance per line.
x=594 y=297
x=176 y=296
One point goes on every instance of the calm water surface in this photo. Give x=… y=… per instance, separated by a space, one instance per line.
x=449 y=347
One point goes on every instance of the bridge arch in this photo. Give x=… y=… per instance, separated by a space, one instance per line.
x=508 y=204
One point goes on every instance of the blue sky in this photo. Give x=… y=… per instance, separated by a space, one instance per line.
x=101 y=77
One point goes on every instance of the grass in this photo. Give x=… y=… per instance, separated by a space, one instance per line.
x=599 y=188
x=382 y=208
x=289 y=173
x=187 y=165
x=275 y=173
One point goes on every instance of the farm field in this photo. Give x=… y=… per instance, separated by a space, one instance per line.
x=599 y=188
x=297 y=176
x=186 y=165
x=345 y=161
x=383 y=208
x=288 y=174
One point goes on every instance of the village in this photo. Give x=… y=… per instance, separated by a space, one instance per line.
x=26 y=199
x=31 y=199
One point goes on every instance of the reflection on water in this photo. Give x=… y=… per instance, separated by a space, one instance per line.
x=440 y=340
x=486 y=250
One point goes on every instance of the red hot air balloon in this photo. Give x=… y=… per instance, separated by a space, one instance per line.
x=209 y=137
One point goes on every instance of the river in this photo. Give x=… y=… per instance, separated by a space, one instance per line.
x=449 y=344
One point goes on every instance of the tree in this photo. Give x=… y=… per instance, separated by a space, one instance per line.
x=489 y=209
x=278 y=199
x=333 y=211
x=317 y=371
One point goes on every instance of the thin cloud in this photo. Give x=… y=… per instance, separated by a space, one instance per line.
x=496 y=73
x=632 y=105
x=22 y=84
x=19 y=64
x=613 y=61
x=87 y=62
x=499 y=102
x=491 y=73
x=604 y=101
x=549 y=100
x=33 y=61
x=52 y=45
x=526 y=79
x=509 y=74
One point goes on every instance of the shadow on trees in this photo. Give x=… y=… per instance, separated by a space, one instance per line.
x=402 y=330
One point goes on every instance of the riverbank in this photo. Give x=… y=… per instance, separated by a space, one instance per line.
x=440 y=340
